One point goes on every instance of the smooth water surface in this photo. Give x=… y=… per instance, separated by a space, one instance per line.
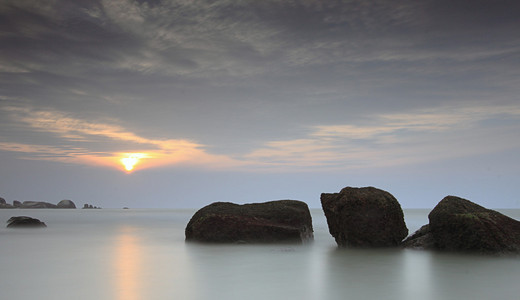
x=141 y=254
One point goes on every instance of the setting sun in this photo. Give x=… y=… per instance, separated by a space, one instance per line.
x=131 y=160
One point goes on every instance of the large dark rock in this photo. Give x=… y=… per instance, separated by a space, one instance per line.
x=37 y=204
x=364 y=217
x=284 y=221
x=24 y=222
x=461 y=225
x=66 y=204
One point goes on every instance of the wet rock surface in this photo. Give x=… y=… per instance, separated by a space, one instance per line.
x=282 y=221
x=364 y=217
x=459 y=224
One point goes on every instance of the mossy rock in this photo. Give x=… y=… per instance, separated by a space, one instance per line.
x=364 y=217
x=457 y=224
x=282 y=221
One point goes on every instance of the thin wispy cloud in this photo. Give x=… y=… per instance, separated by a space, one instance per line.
x=384 y=140
x=397 y=139
x=67 y=130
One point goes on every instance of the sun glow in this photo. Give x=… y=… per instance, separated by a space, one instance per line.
x=131 y=159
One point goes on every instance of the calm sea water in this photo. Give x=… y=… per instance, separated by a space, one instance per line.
x=141 y=254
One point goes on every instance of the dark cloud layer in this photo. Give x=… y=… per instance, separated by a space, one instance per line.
x=221 y=53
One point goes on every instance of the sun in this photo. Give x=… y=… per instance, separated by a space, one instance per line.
x=131 y=159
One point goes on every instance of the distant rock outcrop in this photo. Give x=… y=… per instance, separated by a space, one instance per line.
x=282 y=221
x=4 y=204
x=364 y=217
x=37 y=204
x=457 y=224
x=90 y=206
x=66 y=204
x=24 y=222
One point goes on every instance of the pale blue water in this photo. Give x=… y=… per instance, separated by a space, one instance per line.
x=141 y=254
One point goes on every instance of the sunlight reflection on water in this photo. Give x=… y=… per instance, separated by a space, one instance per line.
x=127 y=266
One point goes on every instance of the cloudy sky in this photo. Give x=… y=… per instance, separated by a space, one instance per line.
x=250 y=101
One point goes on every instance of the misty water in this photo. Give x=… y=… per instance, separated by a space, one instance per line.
x=141 y=254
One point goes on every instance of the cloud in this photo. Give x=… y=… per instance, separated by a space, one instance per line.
x=383 y=140
x=397 y=139
x=229 y=74
x=66 y=130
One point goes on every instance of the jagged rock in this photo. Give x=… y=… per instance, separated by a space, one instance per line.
x=284 y=221
x=364 y=217
x=90 y=206
x=23 y=221
x=37 y=204
x=461 y=225
x=66 y=204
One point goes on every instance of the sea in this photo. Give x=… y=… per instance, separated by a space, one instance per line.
x=131 y=254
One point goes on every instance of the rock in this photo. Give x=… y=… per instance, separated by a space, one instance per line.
x=283 y=221
x=17 y=204
x=90 y=206
x=66 y=204
x=421 y=239
x=460 y=225
x=37 y=204
x=364 y=217
x=4 y=204
x=23 y=221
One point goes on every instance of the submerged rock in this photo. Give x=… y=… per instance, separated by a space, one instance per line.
x=66 y=204
x=461 y=225
x=24 y=222
x=269 y=222
x=364 y=217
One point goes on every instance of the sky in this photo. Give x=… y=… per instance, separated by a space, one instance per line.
x=252 y=101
